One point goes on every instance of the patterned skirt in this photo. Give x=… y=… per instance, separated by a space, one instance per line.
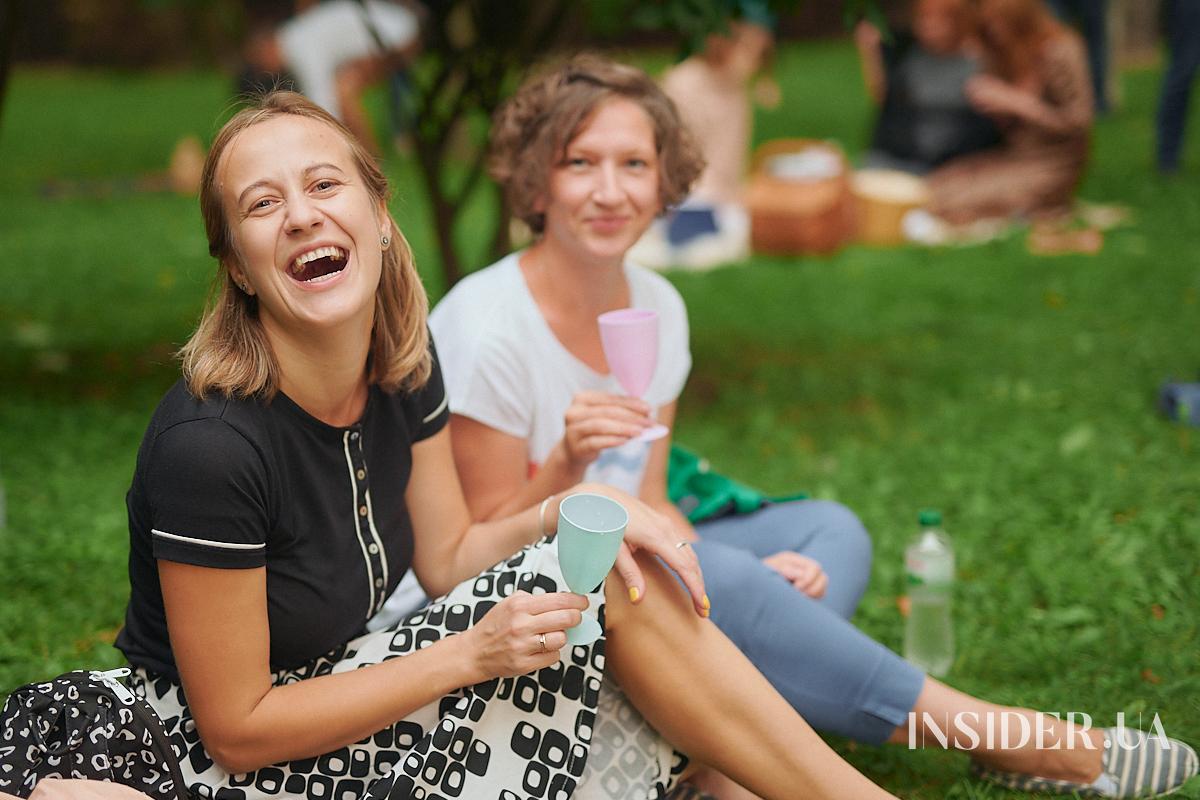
x=563 y=732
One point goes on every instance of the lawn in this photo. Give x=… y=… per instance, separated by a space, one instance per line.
x=1015 y=393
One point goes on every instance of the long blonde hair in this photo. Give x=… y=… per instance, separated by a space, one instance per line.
x=229 y=352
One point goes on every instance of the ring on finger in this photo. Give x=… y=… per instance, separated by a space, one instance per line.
x=542 y=641
x=682 y=544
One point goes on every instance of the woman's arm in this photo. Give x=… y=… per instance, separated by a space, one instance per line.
x=220 y=638
x=450 y=548
x=493 y=466
x=870 y=56
x=1068 y=109
x=1071 y=107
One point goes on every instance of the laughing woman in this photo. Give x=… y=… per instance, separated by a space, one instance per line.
x=303 y=465
x=589 y=153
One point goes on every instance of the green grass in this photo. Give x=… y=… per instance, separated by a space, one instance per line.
x=1015 y=393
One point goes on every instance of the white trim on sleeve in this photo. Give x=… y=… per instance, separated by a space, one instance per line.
x=206 y=542
x=433 y=414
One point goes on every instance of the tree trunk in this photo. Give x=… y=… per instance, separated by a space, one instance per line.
x=444 y=217
x=430 y=158
x=10 y=12
x=501 y=240
x=480 y=48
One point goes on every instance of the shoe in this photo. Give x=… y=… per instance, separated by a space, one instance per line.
x=1134 y=764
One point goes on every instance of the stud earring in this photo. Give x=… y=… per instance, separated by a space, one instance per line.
x=385 y=242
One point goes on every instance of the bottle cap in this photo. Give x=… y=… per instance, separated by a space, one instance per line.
x=929 y=518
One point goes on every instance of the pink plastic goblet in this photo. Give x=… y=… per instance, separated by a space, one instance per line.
x=630 y=340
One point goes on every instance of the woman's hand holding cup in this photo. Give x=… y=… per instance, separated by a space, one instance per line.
x=654 y=533
x=596 y=421
x=523 y=633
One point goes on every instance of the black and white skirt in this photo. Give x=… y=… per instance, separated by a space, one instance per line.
x=562 y=732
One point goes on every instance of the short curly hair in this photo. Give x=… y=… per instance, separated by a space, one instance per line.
x=531 y=131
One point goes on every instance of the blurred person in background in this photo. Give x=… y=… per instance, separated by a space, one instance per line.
x=713 y=91
x=1039 y=93
x=1183 y=37
x=335 y=51
x=919 y=81
x=1092 y=18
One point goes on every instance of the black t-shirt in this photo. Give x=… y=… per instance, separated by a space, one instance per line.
x=238 y=484
x=926 y=118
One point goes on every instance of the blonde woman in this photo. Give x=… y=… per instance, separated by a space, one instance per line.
x=302 y=465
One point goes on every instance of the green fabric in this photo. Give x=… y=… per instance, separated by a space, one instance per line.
x=700 y=493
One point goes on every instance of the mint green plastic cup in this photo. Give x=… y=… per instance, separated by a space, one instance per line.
x=590 y=530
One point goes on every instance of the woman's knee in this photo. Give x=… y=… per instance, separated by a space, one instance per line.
x=660 y=582
x=733 y=578
x=844 y=531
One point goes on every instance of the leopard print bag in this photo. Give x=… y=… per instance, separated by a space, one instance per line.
x=86 y=724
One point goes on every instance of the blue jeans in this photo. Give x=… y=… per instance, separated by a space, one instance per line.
x=1183 y=30
x=839 y=679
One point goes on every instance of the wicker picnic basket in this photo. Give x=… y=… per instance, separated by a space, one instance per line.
x=799 y=198
x=883 y=197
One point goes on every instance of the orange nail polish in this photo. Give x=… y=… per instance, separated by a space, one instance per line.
x=634 y=594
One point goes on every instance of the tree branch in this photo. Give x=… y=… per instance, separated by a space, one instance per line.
x=10 y=21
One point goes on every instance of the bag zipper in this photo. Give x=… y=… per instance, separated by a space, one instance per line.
x=142 y=710
x=109 y=679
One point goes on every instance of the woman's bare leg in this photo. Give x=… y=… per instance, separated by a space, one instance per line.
x=968 y=723
x=713 y=783
x=697 y=689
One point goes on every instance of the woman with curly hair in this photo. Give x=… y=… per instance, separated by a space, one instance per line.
x=589 y=152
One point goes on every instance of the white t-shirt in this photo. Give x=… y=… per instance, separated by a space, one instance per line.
x=503 y=365
x=318 y=41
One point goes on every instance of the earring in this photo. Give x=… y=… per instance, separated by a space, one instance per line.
x=385 y=242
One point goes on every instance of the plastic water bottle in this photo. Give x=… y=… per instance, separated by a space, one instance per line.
x=929 y=565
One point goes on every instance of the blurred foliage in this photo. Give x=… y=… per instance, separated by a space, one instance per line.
x=141 y=33
x=691 y=21
x=476 y=51
x=473 y=53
